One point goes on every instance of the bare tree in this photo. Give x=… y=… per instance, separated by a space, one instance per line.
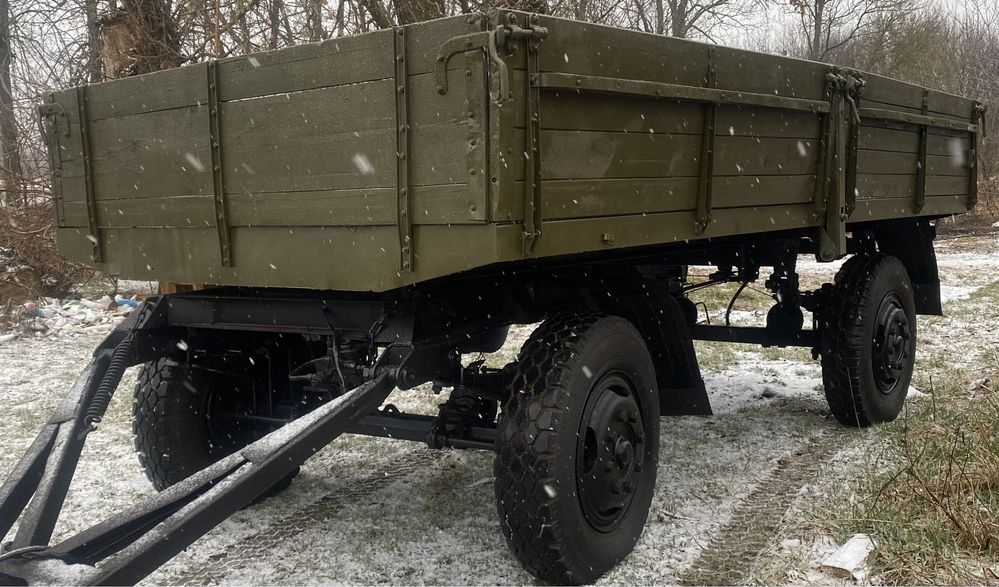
x=832 y=24
x=8 y=123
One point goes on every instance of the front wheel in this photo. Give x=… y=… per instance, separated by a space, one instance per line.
x=577 y=447
x=868 y=343
x=182 y=422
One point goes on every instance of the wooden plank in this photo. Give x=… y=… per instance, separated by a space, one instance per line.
x=593 y=234
x=158 y=153
x=749 y=156
x=653 y=90
x=152 y=92
x=340 y=61
x=279 y=257
x=590 y=199
x=904 y=95
x=590 y=49
x=569 y=111
x=767 y=123
x=906 y=140
x=596 y=155
x=904 y=186
x=891 y=208
x=886 y=162
x=946 y=165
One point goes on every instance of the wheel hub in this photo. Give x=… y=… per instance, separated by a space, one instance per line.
x=609 y=452
x=891 y=343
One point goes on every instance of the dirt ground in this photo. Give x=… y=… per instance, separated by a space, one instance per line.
x=735 y=494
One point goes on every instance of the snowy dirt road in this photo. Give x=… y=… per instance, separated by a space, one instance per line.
x=730 y=504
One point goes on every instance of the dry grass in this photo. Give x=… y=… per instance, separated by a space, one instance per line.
x=30 y=266
x=933 y=503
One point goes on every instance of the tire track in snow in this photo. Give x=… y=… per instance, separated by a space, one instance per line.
x=261 y=544
x=729 y=557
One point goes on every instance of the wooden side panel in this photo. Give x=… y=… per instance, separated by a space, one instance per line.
x=612 y=156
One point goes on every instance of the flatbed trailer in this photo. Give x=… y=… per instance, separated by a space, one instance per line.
x=371 y=209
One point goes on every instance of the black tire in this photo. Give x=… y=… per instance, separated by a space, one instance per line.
x=554 y=484
x=868 y=341
x=176 y=429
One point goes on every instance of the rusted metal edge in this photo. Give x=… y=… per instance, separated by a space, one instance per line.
x=658 y=90
x=218 y=177
x=88 y=175
x=935 y=121
x=404 y=218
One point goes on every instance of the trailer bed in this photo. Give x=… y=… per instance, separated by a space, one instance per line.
x=376 y=161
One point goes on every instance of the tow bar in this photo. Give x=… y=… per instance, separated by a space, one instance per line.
x=125 y=548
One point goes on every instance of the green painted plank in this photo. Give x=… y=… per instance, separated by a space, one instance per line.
x=155 y=154
x=904 y=186
x=590 y=49
x=341 y=61
x=587 y=199
x=151 y=92
x=906 y=140
x=596 y=155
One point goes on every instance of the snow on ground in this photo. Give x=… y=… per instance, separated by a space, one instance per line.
x=368 y=510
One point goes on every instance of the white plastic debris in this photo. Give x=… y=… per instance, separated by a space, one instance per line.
x=850 y=560
x=914 y=393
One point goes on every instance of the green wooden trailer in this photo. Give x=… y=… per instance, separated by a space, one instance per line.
x=371 y=209
x=440 y=147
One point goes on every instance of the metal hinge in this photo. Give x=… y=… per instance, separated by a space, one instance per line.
x=502 y=38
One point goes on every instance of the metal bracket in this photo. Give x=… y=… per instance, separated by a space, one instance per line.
x=50 y=135
x=55 y=111
x=502 y=37
x=920 y=194
x=977 y=116
x=88 y=175
x=854 y=91
x=532 y=137
x=405 y=221
x=218 y=179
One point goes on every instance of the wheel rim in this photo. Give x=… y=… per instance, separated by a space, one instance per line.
x=610 y=452
x=891 y=343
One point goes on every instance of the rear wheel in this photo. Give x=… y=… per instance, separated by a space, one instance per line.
x=577 y=447
x=869 y=340
x=182 y=421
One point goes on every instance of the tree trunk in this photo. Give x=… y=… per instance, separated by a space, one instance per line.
x=820 y=6
x=95 y=68
x=12 y=178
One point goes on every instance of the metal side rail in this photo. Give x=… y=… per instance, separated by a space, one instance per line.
x=126 y=547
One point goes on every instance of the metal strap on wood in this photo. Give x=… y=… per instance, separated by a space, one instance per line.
x=405 y=221
x=88 y=175
x=935 y=121
x=657 y=90
x=855 y=89
x=978 y=115
x=921 y=161
x=532 y=135
x=707 y=160
x=218 y=177
x=52 y=117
